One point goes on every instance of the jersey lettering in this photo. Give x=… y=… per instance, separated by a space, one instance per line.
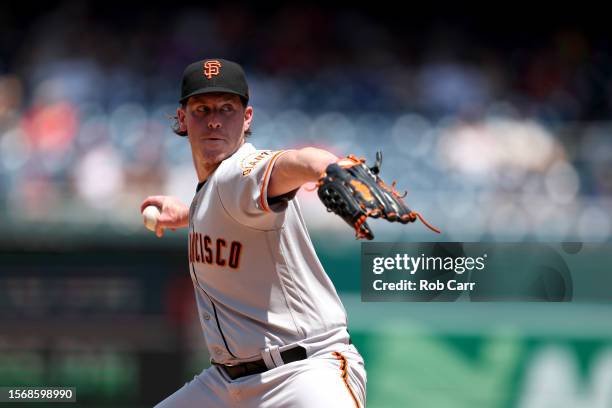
x=248 y=163
x=195 y=245
x=234 y=256
x=220 y=243
x=202 y=250
x=207 y=242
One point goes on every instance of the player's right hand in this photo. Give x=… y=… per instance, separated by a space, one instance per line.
x=174 y=214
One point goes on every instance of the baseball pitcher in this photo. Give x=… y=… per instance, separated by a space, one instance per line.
x=273 y=323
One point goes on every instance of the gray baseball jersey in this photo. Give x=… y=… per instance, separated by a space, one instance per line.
x=258 y=281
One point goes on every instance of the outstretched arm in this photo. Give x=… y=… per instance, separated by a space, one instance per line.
x=297 y=167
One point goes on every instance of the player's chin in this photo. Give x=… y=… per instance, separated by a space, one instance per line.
x=214 y=155
x=212 y=144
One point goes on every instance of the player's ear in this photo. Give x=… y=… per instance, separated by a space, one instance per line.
x=180 y=118
x=248 y=117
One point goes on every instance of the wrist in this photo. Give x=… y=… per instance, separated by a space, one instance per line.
x=320 y=166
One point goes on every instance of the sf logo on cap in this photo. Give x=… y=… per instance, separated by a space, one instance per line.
x=211 y=68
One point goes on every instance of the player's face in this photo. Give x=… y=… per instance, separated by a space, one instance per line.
x=215 y=124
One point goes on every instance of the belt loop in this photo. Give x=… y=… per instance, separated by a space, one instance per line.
x=275 y=354
x=267 y=358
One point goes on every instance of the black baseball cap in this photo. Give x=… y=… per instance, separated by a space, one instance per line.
x=214 y=75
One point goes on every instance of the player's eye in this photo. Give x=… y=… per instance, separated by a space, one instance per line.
x=202 y=108
x=227 y=108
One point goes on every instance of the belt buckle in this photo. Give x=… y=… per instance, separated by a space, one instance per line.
x=228 y=369
x=222 y=365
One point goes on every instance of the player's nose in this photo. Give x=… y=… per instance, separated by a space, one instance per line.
x=214 y=124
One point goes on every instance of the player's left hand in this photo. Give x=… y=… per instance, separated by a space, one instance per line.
x=355 y=192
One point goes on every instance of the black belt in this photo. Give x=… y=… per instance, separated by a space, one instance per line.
x=259 y=366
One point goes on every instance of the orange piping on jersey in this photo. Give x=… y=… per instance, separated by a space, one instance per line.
x=263 y=200
x=344 y=375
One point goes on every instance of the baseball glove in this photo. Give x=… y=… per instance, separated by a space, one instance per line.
x=355 y=192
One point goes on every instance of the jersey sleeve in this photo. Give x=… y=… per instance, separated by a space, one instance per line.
x=242 y=185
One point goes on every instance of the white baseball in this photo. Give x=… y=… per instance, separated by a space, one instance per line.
x=150 y=216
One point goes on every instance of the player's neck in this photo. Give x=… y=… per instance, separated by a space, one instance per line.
x=205 y=170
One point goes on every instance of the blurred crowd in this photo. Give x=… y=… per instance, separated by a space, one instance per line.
x=510 y=132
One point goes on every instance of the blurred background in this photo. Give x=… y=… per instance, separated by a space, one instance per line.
x=497 y=123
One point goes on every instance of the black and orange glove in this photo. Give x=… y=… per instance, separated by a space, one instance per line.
x=355 y=192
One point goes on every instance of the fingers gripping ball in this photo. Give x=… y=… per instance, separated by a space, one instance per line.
x=150 y=216
x=355 y=192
